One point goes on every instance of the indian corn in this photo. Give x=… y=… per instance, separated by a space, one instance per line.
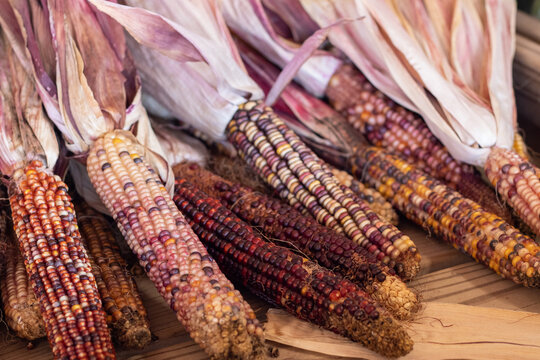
x=126 y=314
x=206 y=303
x=281 y=224
x=288 y=280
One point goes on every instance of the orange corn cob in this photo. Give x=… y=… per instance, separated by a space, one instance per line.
x=520 y=147
x=212 y=311
x=295 y=172
x=388 y=125
x=57 y=265
x=21 y=308
x=126 y=314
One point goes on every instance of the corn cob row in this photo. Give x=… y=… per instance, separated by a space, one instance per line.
x=376 y=201
x=206 y=303
x=280 y=223
x=279 y=156
x=126 y=314
x=288 y=280
x=21 y=308
x=57 y=265
x=3 y=239
x=518 y=181
x=387 y=125
x=520 y=147
x=457 y=220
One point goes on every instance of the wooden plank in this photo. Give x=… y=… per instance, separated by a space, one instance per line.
x=442 y=330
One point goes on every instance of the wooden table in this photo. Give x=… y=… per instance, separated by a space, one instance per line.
x=447 y=276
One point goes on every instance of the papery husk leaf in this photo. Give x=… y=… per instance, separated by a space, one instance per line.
x=25 y=132
x=249 y=21
x=179 y=146
x=293 y=14
x=211 y=83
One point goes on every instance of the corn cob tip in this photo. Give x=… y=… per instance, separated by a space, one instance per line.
x=400 y=300
x=408 y=264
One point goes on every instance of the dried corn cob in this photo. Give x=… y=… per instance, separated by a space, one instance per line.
x=388 y=125
x=206 y=303
x=126 y=314
x=288 y=280
x=518 y=181
x=280 y=157
x=57 y=265
x=282 y=224
x=3 y=240
x=21 y=308
x=458 y=220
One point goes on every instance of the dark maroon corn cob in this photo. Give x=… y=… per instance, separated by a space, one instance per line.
x=285 y=226
x=287 y=280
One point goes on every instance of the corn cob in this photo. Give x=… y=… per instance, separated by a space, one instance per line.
x=282 y=224
x=280 y=157
x=57 y=265
x=3 y=238
x=126 y=314
x=445 y=213
x=206 y=303
x=388 y=125
x=518 y=182
x=288 y=280
x=21 y=308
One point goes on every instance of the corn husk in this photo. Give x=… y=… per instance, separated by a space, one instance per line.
x=292 y=14
x=450 y=61
x=89 y=84
x=25 y=131
x=249 y=20
x=193 y=71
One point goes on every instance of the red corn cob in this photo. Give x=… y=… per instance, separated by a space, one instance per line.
x=277 y=220
x=288 y=280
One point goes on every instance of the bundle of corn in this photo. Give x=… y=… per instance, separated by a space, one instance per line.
x=21 y=308
x=126 y=314
x=43 y=216
x=288 y=280
x=383 y=122
x=99 y=114
x=464 y=93
x=279 y=223
x=227 y=103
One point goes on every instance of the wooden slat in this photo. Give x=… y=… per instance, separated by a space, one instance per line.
x=442 y=330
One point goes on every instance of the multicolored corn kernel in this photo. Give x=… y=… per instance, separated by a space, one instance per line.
x=450 y=216
x=375 y=200
x=520 y=147
x=518 y=182
x=57 y=265
x=205 y=302
x=21 y=308
x=287 y=280
x=295 y=172
x=281 y=224
x=126 y=314
x=392 y=127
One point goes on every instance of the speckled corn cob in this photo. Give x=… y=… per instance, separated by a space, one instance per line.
x=388 y=125
x=450 y=216
x=518 y=182
x=212 y=311
x=3 y=239
x=278 y=222
x=288 y=280
x=126 y=314
x=57 y=265
x=283 y=160
x=21 y=309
